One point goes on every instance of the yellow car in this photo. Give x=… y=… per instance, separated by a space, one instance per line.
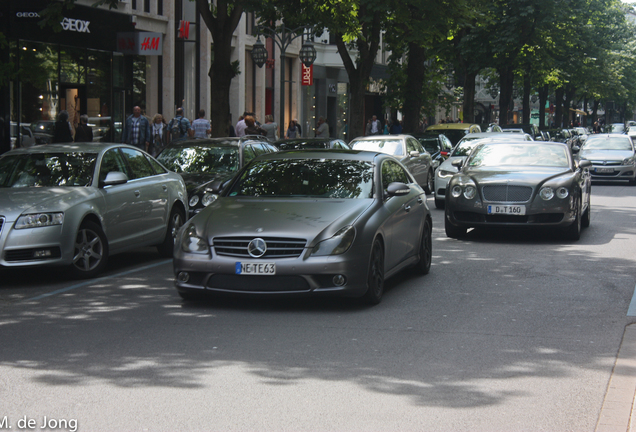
x=454 y=131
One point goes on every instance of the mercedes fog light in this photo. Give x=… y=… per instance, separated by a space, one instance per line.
x=183 y=277
x=339 y=280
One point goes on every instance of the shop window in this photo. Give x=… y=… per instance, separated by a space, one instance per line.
x=38 y=83
x=73 y=65
x=139 y=82
x=98 y=102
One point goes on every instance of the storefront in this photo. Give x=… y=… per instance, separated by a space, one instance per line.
x=77 y=69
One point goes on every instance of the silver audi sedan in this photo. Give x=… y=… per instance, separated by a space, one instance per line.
x=307 y=222
x=519 y=184
x=613 y=157
x=74 y=205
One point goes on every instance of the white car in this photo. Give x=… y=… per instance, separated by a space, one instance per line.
x=23 y=139
x=460 y=152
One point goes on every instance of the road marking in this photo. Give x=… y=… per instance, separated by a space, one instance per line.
x=631 y=312
x=92 y=281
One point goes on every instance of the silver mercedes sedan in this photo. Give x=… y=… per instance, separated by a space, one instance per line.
x=306 y=222
x=613 y=157
x=519 y=184
x=75 y=204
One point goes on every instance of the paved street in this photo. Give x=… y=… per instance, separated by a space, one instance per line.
x=511 y=331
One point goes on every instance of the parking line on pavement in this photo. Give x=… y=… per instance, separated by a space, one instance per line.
x=631 y=312
x=92 y=281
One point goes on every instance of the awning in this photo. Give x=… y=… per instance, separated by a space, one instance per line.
x=578 y=111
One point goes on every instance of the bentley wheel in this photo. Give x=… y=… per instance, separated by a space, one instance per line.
x=90 y=253
x=426 y=249
x=375 y=279
x=439 y=203
x=573 y=232
x=453 y=231
x=177 y=218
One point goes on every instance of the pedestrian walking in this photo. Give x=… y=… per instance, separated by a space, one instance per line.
x=159 y=134
x=179 y=126
x=83 y=132
x=201 y=126
x=367 y=129
x=292 y=130
x=386 y=127
x=239 y=129
x=137 y=130
x=270 y=127
x=375 y=126
x=62 y=131
x=396 y=127
x=252 y=128
x=322 y=131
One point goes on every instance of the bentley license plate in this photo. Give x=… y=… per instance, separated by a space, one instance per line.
x=267 y=269
x=604 y=170
x=507 y=209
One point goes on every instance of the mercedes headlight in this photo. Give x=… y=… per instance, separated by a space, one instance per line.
x=336 y=245
x=193 y=243
x=39 y=220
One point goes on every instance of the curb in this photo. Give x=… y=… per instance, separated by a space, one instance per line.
x=618 y=413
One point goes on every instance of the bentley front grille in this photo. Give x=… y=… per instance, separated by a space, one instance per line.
x=507 y=193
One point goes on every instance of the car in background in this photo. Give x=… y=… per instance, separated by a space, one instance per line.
x=101 y=128
x=529 y=128
x=21 y=137
x=454 y=131
x=203 y=161
x=612 y=156
x=516 y=184
x=307 y=222
x=407 y=149
x=581 y=134
x=74 y=205
x=311 y=143
x=43 y=131
x=460 y=152
x=490 y=127
x=616 y=128
x=561 y=135
x=438 y=146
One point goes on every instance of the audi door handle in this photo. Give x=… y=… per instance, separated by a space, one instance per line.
x=407 y=208
x=137 y=193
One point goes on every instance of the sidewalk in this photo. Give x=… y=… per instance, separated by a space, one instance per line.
x=618 y=413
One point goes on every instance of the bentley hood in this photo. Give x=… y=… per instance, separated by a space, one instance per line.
x=531 y=176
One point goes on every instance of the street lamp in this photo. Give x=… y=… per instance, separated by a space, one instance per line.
x=283 y=37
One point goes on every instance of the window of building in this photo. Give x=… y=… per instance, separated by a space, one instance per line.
x=159 y=7
x=147 y=6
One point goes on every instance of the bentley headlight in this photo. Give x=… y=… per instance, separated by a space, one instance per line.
x=546 y=193
x=208 y=199
x=445 y=174
x=193 y=243
x=39 y=220
x=336 y=245
x=193 y=201
x=562 y=192
x=470 y=191
x=456 y=191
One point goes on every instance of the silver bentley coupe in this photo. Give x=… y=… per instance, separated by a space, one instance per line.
x=75 y=204
x=305 y=222
x=519 y=184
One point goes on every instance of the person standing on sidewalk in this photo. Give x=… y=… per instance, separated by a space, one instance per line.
x=201 y=126
x=137 y=130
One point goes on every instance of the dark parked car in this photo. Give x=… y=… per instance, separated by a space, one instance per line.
x=43 y=131
x=529 y=128
x=312 y=144
x=308 y=222
x=201 y=162
x=519 y=184
x=438 y=145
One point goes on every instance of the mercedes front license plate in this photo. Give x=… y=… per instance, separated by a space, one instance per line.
x=267 y=269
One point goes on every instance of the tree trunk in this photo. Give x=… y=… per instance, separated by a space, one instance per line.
x=543 y=99
x=526 y=98
x=506 y=80
x=415 y=73
x=221 y=24
x=469 y=97
x=569 y=95
x=558 y=107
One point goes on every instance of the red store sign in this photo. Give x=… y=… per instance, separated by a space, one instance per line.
x=307 y=75
x=140 y=43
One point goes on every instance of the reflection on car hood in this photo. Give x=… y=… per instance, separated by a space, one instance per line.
x=15 y=201
x=530 y=176
x=196 y=181
x=615 y=155
x=285 y=217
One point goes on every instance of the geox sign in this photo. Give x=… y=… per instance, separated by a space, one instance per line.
x=75 y=25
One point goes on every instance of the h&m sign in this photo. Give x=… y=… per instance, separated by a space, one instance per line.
x=140 y=43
